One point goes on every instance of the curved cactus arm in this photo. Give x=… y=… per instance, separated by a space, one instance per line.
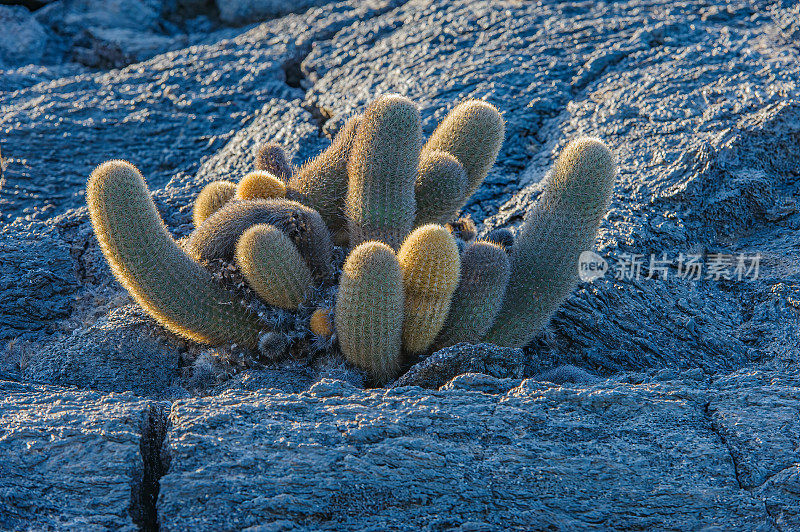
x=159 y=275
x=216 y=238
x=562 y=224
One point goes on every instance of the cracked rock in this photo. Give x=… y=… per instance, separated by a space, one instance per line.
x=71 y=458
x=520 y=457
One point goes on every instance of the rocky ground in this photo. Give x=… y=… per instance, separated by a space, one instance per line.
x=652 y=403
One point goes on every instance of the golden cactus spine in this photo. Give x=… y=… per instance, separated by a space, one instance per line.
x=473 y=132
x=369 y=311
x=260 y=185
x=440 y=188
x=484 y=275
x=430 y=264
x=382 y=170
x=322 y=182
x=273 y=267
x=557 y=229
x=211 y=199
x=164 y=280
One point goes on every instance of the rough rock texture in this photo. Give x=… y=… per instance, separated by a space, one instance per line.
x=124 y=351
x=440 y=367
x=75 y=460
x=530 y=456
x=244 y=11
x=651 y=403
x=23 y=38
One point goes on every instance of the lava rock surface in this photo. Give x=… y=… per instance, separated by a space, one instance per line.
x=650 y=403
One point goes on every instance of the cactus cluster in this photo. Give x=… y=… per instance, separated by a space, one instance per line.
x=414 y=278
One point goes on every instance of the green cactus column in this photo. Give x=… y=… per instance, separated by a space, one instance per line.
x=322 y=182
x=382 y=170
x=473 y=132
x=562 y=224
x=484 y=275
x=164 y=280
x=369 y=311
x=440 y=188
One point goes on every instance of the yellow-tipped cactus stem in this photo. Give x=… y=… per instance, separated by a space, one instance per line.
x=485 y=270
x=382 y=170
x=321 y=323
x=211 y=199
x=260 y=185
x=273 y=267
x=216 y=238
x=272 y=158
x=430 y=264
x=369 y=311
x=322 y=182
x=164 y=280
x=440 y=188
x=473 y=132
x=557 y=229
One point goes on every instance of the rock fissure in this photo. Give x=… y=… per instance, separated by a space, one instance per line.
x=155 y=463
x=716 y=430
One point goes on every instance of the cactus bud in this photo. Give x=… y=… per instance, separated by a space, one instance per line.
x=211 y=199
x=272 y=158
x=440 y=188
x=260 y=185
x=273 y=267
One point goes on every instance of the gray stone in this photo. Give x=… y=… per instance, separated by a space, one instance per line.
x=23 y=39
x=623 y=457
x=38 y=279
x=244 y=11
x=450 y=362
x=124 y=351
x=757 y=416
x=72 y=16
x=118 y=47
x=73 y=460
